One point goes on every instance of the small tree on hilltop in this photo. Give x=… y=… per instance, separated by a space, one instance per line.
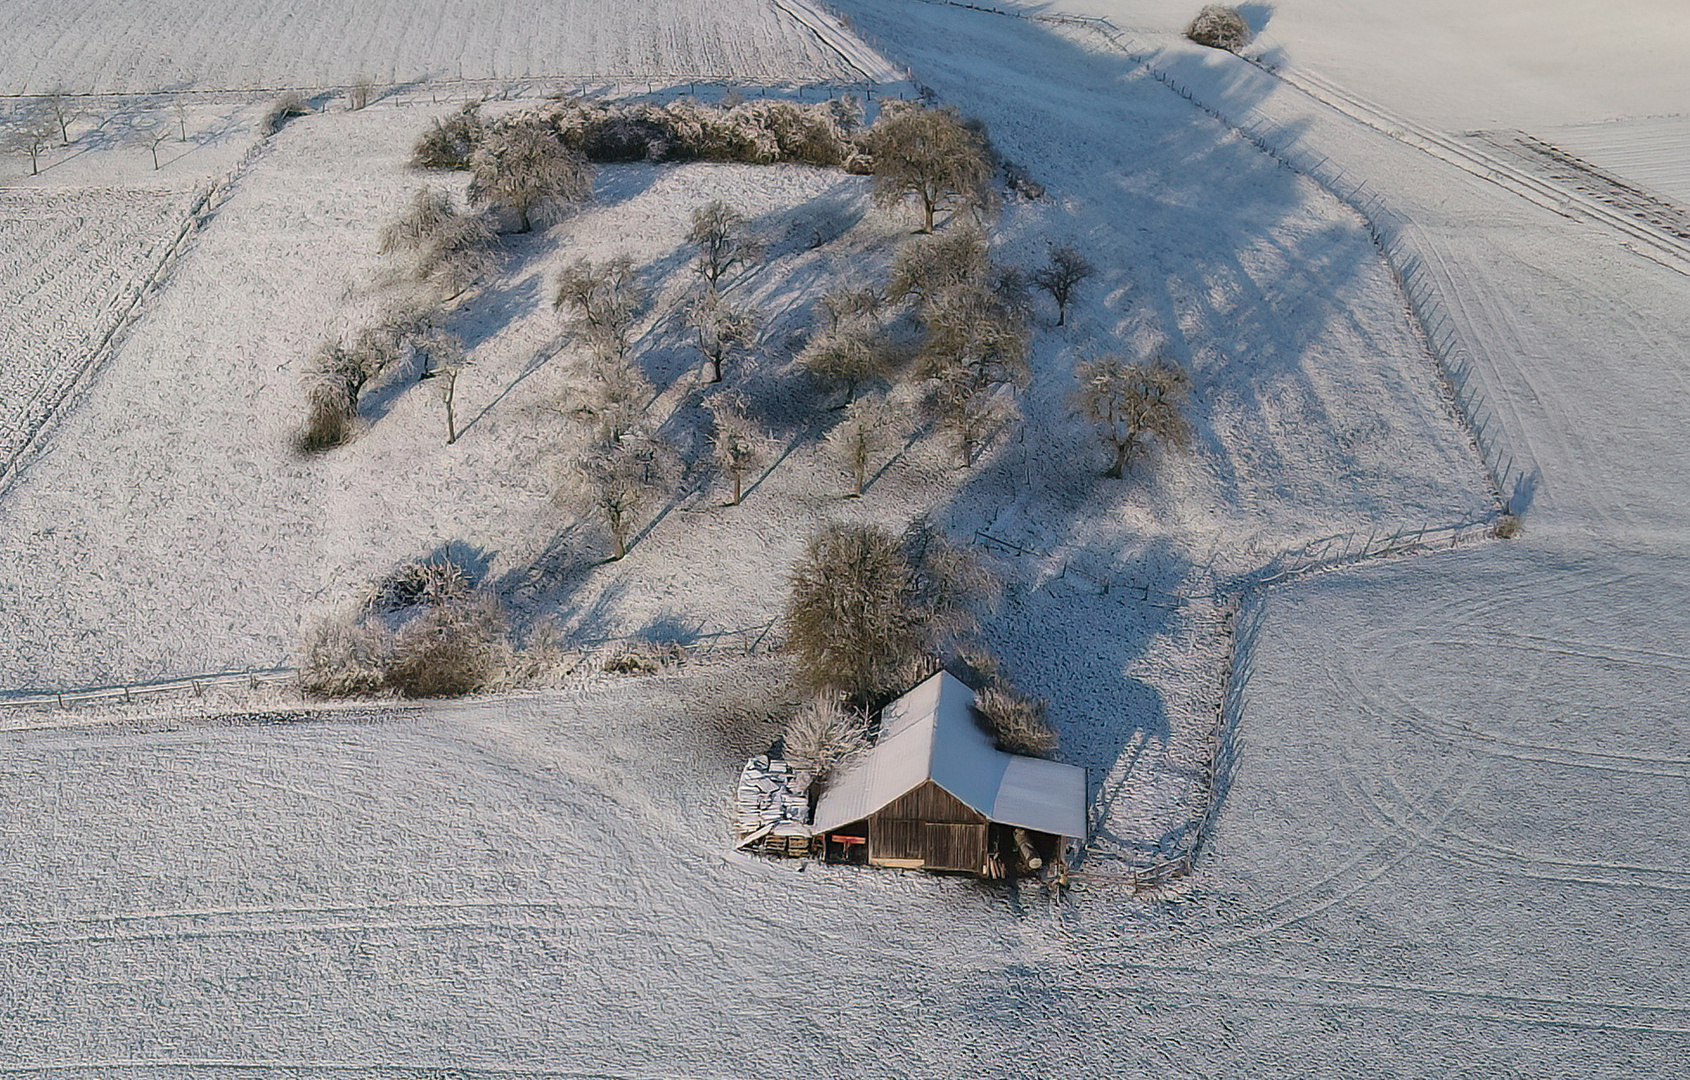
x=1220 y=27
x=931 y=155
x=738 y=447
x=867 y=605
x=870 y=429
x=724 y=330
x=1133 y=404
x=602 y=302
x=1066 y=270
x=523 y=167
x=617 y=482
x=718 y=231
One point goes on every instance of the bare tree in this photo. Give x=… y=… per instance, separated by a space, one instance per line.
x=1133 y=404
x=445 y=358
x=870 y=429
x=931 y=155
x=63 y=110
x=852 y=355
x=970 y=413
x=616 y=483
x=359 y=95
x=972 y=335
x=603 y=301
x=867 y=605
x=724 y=329
x=447 y=250
x=611 y=402
x=153 y=139
x=852 y=306
x=32 y=133
x=524 y=167
x=738 y=447
x=926 y=266
x=718 y=231
x=1066 y=270
x=180 y=109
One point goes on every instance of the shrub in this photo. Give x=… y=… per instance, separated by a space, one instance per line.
x=445 y=249
x=419 y=584
x=641 y=657
x=1016 y=723
x=283 y=109
x=1220 y=27
x=450 y=142
x=343 y=658
x=754 y=133
x=1508 y=526
x=451 y=649
x=823 y=738
x=328 y=415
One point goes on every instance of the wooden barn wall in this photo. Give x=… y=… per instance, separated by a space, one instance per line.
x=937 y=845
x=930 y=825
x=929 y=802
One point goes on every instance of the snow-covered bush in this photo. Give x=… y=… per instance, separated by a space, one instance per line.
x=449 y=142
x=823 y=738
x=342 y=657
x=867 y=606
x=283 y=109
x=1220 y=27
x=640 y=657
x=451 y=649
x=328 y=415
x=419 y=584
x=440 y=246
x=1016 y=723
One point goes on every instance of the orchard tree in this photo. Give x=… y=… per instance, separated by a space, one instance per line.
x=719 y=233
x=724 y=329
x=925 y=266
x=870 y=429
x=617 y=482
x=524 y=167
x=602 y=302
x=445 y=360
x=445 y=249
x=931 y=155
x=1061 y=276
x=1133 y=405
x=738 y=448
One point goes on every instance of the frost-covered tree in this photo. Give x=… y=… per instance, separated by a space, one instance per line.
x=1133 y=404
x=723 y=244
x=867 y=606
x=1061 y=276
x=1220 y=27
x=870 y=429
x=31 y=132
x=445 y=360
x=523 y=167
x=617 y=482
x=63 y=110
x=723 y=330
x=611 y=402
x=931 y=155
x=602 y=301
x=925 y=266
x=736 y=445
x=444 y=249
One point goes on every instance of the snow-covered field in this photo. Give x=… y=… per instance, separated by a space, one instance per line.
x=137 y=46
x=1453 y=844
x=71 y=264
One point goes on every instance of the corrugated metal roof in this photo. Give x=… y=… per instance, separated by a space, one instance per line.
x=930 y=734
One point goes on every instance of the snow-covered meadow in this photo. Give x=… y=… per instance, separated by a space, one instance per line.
x=1453 y=840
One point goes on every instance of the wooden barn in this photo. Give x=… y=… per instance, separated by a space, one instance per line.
x=935 y=794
